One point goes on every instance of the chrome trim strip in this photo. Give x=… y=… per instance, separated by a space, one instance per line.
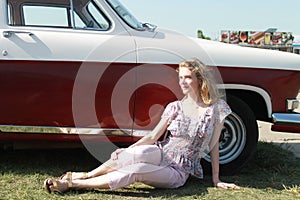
x=286 y=119
x=65 y=130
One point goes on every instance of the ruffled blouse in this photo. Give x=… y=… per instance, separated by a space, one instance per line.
x=189 y=137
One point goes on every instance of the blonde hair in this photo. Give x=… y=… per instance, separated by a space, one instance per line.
x=207 y=87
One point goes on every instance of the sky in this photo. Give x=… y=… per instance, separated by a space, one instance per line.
x=212 y=16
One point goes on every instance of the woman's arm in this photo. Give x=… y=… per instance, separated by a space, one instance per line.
x=155 y=134
x=214 y=154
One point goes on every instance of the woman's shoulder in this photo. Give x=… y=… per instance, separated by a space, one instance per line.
x=173 y=102
x=174 y=105
x=220 y=105
x=222 y=108
x=171 y=109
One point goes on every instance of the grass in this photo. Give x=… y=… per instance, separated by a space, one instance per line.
x=273 y=173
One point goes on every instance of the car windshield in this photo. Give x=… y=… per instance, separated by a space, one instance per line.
x=125 y=15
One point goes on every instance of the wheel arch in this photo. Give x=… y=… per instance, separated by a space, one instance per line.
x=257 y=99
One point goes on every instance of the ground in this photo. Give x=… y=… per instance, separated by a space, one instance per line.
x=290 y=141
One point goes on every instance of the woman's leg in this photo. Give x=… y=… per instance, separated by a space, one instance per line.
x=108 y=166
x=153 y=175
x=139 y=154
x=157 y=176
x=100 y=182
x=52 y=185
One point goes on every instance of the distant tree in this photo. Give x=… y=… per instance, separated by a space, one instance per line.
x=202 y=36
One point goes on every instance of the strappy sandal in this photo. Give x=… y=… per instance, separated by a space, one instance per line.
x=68 y=176
x=52 y=182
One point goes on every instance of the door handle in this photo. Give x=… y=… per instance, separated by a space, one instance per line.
x=8 y=34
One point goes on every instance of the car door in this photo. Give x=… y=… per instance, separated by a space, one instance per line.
x=60 y=63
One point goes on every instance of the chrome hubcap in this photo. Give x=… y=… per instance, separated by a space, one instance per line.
x=232 y=139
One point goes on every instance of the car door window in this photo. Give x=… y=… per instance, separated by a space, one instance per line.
x=97 y=16
x=78 y=15
x=51 y=16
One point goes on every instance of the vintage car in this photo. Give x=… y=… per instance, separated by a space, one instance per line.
x=90 y=67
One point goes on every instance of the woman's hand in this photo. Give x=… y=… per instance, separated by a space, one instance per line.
x=114 y=155
x=227 y=186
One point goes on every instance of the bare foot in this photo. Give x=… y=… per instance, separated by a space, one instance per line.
x=52 y=185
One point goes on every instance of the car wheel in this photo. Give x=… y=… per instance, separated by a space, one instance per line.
x=238 y=138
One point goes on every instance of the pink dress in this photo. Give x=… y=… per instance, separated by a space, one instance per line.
x=189 y=137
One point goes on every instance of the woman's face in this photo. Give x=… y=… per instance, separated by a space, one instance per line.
x=188 y=81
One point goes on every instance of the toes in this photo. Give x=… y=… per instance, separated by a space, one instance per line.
x=48 y=185
x=49 y=181
x=62 y=177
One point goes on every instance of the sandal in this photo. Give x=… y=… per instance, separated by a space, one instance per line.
x=50 y=185
x=68 y=176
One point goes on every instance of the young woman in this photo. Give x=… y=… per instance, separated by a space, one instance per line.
x=194 y=123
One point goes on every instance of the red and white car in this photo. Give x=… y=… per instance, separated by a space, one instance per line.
x=90 y=64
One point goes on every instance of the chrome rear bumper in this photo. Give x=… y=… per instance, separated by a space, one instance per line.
x=286 y=122
x=286 y=119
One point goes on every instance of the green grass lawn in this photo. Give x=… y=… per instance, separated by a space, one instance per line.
x=273 y=173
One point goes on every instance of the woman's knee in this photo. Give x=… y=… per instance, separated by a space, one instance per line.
x=140 y=154
x=147 y=154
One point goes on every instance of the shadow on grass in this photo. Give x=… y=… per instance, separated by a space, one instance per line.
x=192 y=187
x=51 y=162
x=271 y=167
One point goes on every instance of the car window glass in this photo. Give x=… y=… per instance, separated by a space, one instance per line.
x=52 y=16
x=125 y=15
x=76 y=14
x=78 y=21
x=100 y=19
